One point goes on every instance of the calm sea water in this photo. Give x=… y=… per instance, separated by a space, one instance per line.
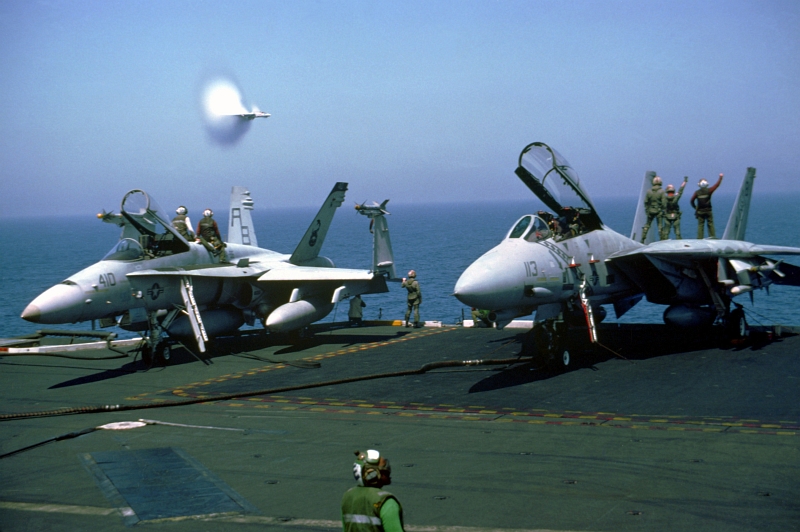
x=437 y=240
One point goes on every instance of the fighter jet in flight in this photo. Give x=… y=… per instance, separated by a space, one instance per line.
x=564 y=264
x=156 y=282
x=252 y=115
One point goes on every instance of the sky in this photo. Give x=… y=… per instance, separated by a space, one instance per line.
x=419 y=102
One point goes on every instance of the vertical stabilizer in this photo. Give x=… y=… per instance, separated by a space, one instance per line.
x=240 y=227
x=382 y=254
x=641 y=217
x=309 y=246
x=737 y=223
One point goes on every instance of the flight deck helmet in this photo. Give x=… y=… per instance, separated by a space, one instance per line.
x=703 y=183
x=181 y=210
x=656 y=180
x=371 y=469
x=670 y=189
x=412 y=273
x=208 y=213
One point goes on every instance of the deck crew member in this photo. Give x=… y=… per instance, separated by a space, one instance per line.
x=672 y=213
x=702 y=210
x=356 y=312
x=208 y=235
x=655 y=201
x=367 y=507
x=182 y=223
x=414 y=297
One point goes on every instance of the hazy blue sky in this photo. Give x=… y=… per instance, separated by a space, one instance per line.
x=413 y=101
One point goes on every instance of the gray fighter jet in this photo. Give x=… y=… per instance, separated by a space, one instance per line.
x=154 y=281
x=564 y=264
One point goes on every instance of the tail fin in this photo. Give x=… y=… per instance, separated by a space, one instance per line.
x=641 y=217
x=382 y=254
x=737 y=223
x=240 y=228
x=309 y=246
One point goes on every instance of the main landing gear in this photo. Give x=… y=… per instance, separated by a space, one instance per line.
x=736 y=326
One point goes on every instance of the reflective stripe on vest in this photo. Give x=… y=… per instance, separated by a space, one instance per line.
x=362 y=519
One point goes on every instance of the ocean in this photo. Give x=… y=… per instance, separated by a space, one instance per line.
x=437 y=240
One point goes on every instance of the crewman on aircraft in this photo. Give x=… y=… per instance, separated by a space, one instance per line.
x=655 y=202
x=183 y=224
x=702 y=210
x=368 y=506
x=208 y=235
x=672 y=212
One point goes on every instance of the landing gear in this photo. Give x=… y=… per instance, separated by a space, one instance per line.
x=736 y=324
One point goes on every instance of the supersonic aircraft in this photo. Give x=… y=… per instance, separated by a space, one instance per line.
x=563 y=264
x=155 y=281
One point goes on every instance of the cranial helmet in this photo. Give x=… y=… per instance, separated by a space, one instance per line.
x=703 y=183
x=371 y=469
x=208 y=212
x=181 y=210
x=670 y=188
x=656 y=180
x=412 y=273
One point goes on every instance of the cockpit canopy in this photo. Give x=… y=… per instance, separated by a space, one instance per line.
x=146 y=230
x=550 y=176
x=530 y=228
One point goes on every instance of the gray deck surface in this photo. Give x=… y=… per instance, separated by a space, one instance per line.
x=669 y=433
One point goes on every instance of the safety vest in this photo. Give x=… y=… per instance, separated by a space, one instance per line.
x=208 y=228
x=414 y=292
x=361 y=509
x=179 y=223
x=703 y=199
x=654 y=200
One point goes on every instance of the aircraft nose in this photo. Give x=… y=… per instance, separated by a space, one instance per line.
x=487 y=285
x=61 y=303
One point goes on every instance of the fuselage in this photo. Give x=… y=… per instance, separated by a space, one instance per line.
x=532 y=267
x=104 y=290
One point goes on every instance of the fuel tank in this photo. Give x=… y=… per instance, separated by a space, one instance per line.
x=290 y=316
x=689 y=316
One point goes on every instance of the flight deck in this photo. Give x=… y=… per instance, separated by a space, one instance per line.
x=649 y=431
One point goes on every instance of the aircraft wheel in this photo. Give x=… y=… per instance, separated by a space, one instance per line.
x=737 y=324
x=162 y=353
x=564 y=360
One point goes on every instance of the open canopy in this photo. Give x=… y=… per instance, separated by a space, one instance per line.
x=550 y=176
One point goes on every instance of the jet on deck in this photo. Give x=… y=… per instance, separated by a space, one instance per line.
x=564 y=264
x=156 y=282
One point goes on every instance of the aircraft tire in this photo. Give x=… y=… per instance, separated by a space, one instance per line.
x=737 y=324
x=563 y=360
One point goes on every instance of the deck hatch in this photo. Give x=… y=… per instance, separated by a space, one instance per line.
x=163 y=483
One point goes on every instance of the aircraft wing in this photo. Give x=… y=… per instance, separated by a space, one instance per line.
x=223 y=271
x=674 y=271
x=311 y=274
x=705 y=249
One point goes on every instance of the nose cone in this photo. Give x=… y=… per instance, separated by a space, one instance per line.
x=490 y=284
x=61 y=303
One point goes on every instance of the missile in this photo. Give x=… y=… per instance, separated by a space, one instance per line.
x=297 y=314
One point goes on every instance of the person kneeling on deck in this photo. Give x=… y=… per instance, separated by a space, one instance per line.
x=367 y=507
